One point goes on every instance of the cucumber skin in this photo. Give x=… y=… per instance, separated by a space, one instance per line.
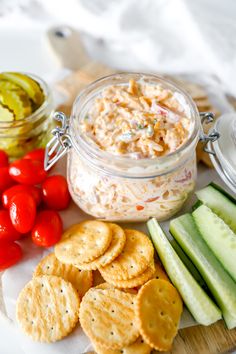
x=220 y=202
x=190 y=290
x=196 y=205
x=222 y=191
x=217 y=237
x=188 y=263
x=218 y=280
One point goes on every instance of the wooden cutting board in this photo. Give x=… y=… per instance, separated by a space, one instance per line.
x=193 y=340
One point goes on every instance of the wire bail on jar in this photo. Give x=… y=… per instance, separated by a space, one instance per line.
x=61 y=142
x=208 y=117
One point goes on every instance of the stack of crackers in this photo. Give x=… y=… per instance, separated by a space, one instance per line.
x=134 y=309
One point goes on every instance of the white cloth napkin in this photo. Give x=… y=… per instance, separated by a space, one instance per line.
x=154 y=35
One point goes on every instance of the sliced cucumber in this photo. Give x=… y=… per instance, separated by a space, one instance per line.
x=188 y=263
x=198 y=302
x=196 y=205
x=223 y=191
x=218 y=280
x=220 y=203
x=219 y=237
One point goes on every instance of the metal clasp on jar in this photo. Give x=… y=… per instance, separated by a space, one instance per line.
x=208 y=117
x=61 y=142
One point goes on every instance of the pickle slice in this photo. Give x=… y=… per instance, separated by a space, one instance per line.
x=6 y=115
x=17 y=101
x=30 y=86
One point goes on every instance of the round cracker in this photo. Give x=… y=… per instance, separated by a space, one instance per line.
x=83 y=242
x=134 y=282
x=109 y=286
x=47 y=308
x=82 y=280
x=115 y=248
x=108 y=319
x=137 y=254
x=138 y=347
x=158 y=310
x=159 y=272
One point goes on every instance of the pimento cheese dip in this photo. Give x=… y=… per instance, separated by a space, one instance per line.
x=145 y=124
x=138 y=120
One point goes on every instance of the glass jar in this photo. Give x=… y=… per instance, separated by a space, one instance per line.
x=223 y=157
x=118 y=188
x=21 y=136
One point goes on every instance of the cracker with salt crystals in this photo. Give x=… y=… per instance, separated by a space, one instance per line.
x=115 y=248
x=47 y=308
x=81 y=279
x=83 y=242
x=136 y=281
x=138 y=347
x=158 y=309
x=108 y=319
x=136 y=256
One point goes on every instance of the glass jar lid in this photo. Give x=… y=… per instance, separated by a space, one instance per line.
x=223 y=155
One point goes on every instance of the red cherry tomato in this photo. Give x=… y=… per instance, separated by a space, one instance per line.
x=55 y=192
x=5 y=179
x=10 y=253
x=35 y=192
x=27 y=171
x=22 y=212
x=47 y=229
x=37 y=154
x=3 y=159
x=7 y=231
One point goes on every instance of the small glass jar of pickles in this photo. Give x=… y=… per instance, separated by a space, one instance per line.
x=26 y=109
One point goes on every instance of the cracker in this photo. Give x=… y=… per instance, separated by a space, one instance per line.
x=108 y=319
x=158 y=309
x=47 y=308
x=110 y=286
x=136 y=281
x=81 y=279
x=83 y=242
x=133 y=260
x=97 y=278
x=138 y=347
x=115 y=248
x=159 y=272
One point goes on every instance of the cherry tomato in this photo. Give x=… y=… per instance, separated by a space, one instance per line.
x=55 y=192
x=7 y=231
x=10 y=253
x=22 y=210
x=5 y=179
x=35 y=192
x=47 y=229
x=37 y=154
x=3 y=159
x=27 y=171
